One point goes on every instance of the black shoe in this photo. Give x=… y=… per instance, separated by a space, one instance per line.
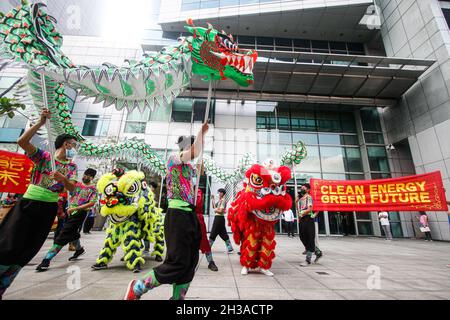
x=99 y=266
x=239 y=253
x=158 y=259
x=137 y=268
x=212 y=266
x=318 y=256
x=43 y=266
x=77 y=254
x=122 y=259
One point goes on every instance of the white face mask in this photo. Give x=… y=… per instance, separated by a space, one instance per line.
x=70 y=153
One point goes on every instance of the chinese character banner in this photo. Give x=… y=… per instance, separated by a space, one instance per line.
x=424 y=192
x=15 y=172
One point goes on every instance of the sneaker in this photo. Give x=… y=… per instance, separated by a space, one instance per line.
x=230 y=251
x=212 y=266
x=146 y=251
x=77 y=254
x=43 y=266
x=137 y=268
x=158 y=259
x=129 y=294
x=99 y=266
x=266 y=272
x=122 y=259
x=244 y=271
x=318 y=256
x=238 y=253
x=307 y=263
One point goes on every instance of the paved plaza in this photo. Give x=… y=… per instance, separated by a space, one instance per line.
x=407 y=269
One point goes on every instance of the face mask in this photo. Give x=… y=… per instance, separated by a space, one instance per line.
x=86 y=180
x=70 y=153
x=302 y=193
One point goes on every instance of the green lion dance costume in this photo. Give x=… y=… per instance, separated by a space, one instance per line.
x=130 y=205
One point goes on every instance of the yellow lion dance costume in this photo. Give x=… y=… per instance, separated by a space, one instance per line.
x=133 y=217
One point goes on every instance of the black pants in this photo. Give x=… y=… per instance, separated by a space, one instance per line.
x=24 y=231
x=183 y=235
x=290 y=227
x=88 y=224
x=219 y=229
x=308 y=233
x=71 y=229
x=59 y=227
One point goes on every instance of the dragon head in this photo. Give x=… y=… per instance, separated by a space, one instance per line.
x=265 y=188
x=216 y=54
x=121 y=194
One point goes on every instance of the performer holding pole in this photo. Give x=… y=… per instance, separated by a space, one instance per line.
x=181 y=227
x=24 y=230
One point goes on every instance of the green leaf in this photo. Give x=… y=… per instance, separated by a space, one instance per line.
x=11 y=114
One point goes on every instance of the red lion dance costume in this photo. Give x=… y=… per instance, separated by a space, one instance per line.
x=254 y=212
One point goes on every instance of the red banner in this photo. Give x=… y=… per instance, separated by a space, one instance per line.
x=15 y=172
x=424 y=192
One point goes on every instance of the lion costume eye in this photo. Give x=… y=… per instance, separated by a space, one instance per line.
x=133 y=188
x=256 y=180
x=110 y=189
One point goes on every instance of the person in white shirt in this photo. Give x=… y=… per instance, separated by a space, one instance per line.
x=383 y=216
x=288 y=216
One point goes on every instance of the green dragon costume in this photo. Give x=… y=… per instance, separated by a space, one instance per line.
x=133 y=217
x=28 y=35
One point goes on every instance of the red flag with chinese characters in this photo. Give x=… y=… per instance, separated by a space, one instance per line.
x=15 y=172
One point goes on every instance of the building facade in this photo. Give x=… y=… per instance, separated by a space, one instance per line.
x=361 y=82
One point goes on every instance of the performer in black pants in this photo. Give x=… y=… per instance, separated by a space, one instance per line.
x=219 y=226
x=181 y=227
x=306 y=223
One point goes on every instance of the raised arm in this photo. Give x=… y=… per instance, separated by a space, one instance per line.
x=197 y=147
x=25 y=138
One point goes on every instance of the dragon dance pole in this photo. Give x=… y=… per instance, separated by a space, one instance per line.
x=160 y=191
x=296 y=195
x=47 y=124
x=208 y=104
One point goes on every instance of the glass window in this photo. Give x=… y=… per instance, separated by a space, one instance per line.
x=135 y=127
x=283 y=117
x=161 y=113
x=329 y=139
x=265 y=120
x=209 y=4
x=190 y=6
x=363 y=216
x=301 y=43
x=302 y=120
x=370 y=119
x=354 y=176
x=246 y=40
x=332 y=159
x=224 y=3
x=338 y=47
x=285 y=138
x=355 y=48
x=182 y=110
x=374 y=138
x=320 y=46
x=365 y=228
x=90 y=125
x=264 y=41
x=328 y=121
x=200 y=109
x=306 y=138
x=396 y=229
x=349 y=140
x=380 y=175
x=267 y=151
x=312 y=162
x=353 y=160
x=136 y=115
x=348 y=122
x=377 y=159
x=283 y=42
x=334 y=176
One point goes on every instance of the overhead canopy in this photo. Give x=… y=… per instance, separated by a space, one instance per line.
x=295 y=76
